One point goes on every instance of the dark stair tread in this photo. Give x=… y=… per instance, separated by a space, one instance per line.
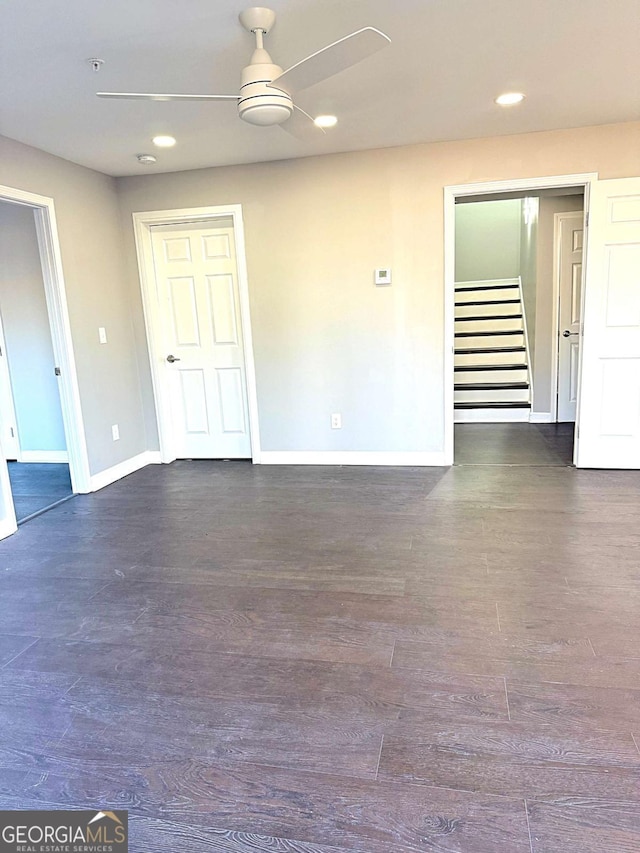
x=488 y=334
x=460 y=367
x=474 y=350
x=491 y=302
x=486 y=287
x=490 y=386
x=490 y=317
x=501 y=405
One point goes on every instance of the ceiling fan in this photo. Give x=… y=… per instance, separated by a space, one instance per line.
x=265 y=96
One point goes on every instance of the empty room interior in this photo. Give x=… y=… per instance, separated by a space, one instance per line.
x=320 y=427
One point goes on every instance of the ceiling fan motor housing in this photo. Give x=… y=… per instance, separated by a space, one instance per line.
x=260 y=104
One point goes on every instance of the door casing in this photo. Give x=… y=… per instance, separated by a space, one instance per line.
x=142 y=224
x=488 y=188
x=12 y=447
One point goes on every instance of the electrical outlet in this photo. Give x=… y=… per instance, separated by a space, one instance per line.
x=115 y=432
x=336 y=420
x=102 y=335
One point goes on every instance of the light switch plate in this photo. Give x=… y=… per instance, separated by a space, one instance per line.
x=102 y=335
x=383 y=276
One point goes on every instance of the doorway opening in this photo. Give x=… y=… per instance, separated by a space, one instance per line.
x=514 y=276
x=43 y=457
x=33 y=440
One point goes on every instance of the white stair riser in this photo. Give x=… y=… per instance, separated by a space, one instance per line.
x=511 y=321
x=481 y=341
x=471 y=376
x=490 y=358
x=505 y=395
x=487 y=295
x=488 y=310
x=487 y=325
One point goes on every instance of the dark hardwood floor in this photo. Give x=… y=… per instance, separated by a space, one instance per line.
x=514 y=444
x=37 y=486
x=331 y=660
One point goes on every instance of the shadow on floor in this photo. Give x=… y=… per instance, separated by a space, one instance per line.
x=514 y=444
x=37 y=487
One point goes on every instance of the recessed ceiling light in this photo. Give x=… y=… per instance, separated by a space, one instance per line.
x=146 y=159
x=509 y=98
x=164 y=141
x=325 y=121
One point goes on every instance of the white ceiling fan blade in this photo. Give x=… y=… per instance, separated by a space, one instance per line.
x=150 y=96
x=332 y=59
x=301 y=125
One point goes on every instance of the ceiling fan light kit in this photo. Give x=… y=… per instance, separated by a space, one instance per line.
x=266 y=91
x=258 y=104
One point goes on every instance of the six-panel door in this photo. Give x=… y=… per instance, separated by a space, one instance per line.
x=197 y=283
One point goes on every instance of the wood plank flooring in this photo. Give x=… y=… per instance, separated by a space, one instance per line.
x=332 y=660
x=36 y=486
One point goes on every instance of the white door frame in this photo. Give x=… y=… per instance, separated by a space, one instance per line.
x=555 y=322
x=487 y=188
x=56 y=299
x=142 y=223
x=6 y=398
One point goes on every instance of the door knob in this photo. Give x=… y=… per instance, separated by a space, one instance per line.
x=172 y=358
x=565 y=334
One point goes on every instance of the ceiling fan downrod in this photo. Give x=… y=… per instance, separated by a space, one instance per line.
x=259 y=103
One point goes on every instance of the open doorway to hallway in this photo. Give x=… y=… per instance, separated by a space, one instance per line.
x=31 y=423
x=518 y=284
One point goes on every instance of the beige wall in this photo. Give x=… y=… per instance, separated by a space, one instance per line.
x=325 y=338
x=27 y=333
x=91 y=244
x=528 y=240
x=488 y=240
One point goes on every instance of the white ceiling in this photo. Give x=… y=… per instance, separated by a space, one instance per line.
x=578 y=61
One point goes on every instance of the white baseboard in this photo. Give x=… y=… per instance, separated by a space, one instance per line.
x=490 y=416
x=44 y=456
x=122 y=469
x=353 y=457
x=540 y=418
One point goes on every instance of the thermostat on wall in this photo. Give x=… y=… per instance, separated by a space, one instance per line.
x=383 y=276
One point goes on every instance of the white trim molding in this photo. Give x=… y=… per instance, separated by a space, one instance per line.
x=8 y=523
x=8 y=526
x=123 y=469
x=416 y=459
x=142 y=223
x=541 y=418
x=50 y=456
x=451 y=193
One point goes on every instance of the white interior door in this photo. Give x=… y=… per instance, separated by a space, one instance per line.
x=609 y=405
x=8 y=423
x=204 y=370
x=570 y=240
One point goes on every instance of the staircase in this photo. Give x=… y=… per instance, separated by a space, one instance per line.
x=492 y=377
